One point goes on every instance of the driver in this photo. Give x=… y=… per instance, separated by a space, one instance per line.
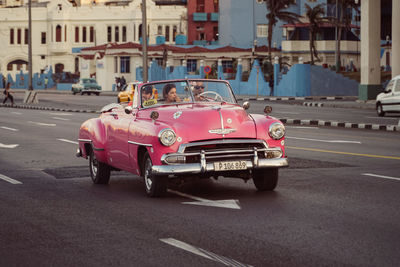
x=198 y=89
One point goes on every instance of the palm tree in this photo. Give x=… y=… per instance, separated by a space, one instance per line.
x=315 y=17
x=344 y=21
x=277 y=11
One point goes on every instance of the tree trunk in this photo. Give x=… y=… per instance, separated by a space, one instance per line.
x=311 y=47
x=270 y=26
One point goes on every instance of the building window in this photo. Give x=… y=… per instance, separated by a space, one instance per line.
x=123 y=33
x=262 y=30
x=65 y=33
x=84 y=34
x=115 y=64
x=159 y=30
x=174 y=32
x=11 y=36
x=58 y=33
x=91 y=34
x=227 y=66
x=26 y=37
x=19 y=36
x=76 y=34
x=109 y=34
x=43 y=38
x=116 y=34
x=200 y=6
x=215 y=33
x=216 y=7
x=125 y=65
x=167 y=33
x=191 y=65
x=76 y=65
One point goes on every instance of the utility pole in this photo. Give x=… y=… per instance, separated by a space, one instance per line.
x=337 y=40
x=30 y=45
x=144 y=40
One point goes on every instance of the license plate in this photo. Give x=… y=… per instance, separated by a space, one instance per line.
x=230 y=165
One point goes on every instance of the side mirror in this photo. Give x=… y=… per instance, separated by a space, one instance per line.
x=388 y=91
x=267 y=109
x=246 y=105
x=128 y=109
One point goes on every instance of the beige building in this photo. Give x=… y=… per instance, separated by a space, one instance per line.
x=61 y=28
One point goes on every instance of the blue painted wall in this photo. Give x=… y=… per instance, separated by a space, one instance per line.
x=21 y=80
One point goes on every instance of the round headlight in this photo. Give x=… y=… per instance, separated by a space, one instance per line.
x=167 y=137
x=276 y=130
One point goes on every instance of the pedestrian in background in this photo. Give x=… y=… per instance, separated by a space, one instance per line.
x=8 y=95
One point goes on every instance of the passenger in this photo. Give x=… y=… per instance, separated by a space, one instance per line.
x=169 y=93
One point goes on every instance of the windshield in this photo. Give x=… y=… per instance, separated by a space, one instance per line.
x=88 y=81
x=186 y=91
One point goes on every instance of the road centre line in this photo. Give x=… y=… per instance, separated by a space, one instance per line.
x=68 y=141
x=43 y=124
x=326 y=141
x=381 y=176
x=61 y=119
x=10 y=129
x=8 y=179
x=14 y=112
x=201 y=252
x=343 y=153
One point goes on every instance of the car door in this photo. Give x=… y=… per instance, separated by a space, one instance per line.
x=396 y=96
x=117 y=126
x=387 y=98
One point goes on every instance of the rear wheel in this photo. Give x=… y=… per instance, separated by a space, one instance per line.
x=99 y=171
x=156 y=186
x=82 y=93
x=119 y=100
x=266 y=179
x=379 y=110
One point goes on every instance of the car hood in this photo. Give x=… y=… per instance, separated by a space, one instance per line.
x=194 y=122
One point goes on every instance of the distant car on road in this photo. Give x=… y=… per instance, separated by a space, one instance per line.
x=195 y=129
x=86 y=86
x=389 y=100
x=127 y=92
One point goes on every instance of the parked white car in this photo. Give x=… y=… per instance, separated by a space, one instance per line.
x=389 y=100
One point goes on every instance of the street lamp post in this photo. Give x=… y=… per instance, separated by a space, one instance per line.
x=253 y=50
x=30 y=44
x=144 y=40
x=337 y=64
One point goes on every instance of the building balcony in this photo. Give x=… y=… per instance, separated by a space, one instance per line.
x=59 y=48
x=199 y=42
x=295 y=46
x=214 y=16
x=199 y=16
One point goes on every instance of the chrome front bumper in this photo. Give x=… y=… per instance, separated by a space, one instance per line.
x=196 y=168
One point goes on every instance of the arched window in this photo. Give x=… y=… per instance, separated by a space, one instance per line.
x=76 y=65
x=59 y=68
x=58 y=33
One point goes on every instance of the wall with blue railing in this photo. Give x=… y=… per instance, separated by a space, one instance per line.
x=21 y=80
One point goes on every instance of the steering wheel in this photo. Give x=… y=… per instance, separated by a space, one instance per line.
x=215 y=98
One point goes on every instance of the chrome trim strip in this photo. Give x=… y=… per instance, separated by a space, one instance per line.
x=139 y=144
x=193 y=168
x=98 y=149
x=85 y=140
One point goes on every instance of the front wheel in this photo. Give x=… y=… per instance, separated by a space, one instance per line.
x=266 y=179
x=156 y=186
x=99 y=171
x=379 y=110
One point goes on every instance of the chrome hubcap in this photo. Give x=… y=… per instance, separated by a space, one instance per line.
x=94 y=165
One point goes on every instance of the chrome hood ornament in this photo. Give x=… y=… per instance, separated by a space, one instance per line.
x=222 y=131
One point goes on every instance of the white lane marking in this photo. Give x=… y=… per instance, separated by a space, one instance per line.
x=326 y=141
x=8 y=179
x=8 y=146
x=287 y=112
x=385 y=118
x=381 y=176
x=61 y=119
x=68 y=141
x=202 y=252
x=42 y=124
x=18 y=113
x=301 y=127
x=8 y=128
x=226 y=203
x=59 y=114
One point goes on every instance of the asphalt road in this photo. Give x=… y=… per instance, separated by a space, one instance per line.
x=336 y=205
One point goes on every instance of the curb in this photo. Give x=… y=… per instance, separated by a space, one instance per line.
x=274 y=98
x=313 y=104
x=369 y=126
x=390 y=128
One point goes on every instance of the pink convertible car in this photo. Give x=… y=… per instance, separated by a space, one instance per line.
x=189 y=129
